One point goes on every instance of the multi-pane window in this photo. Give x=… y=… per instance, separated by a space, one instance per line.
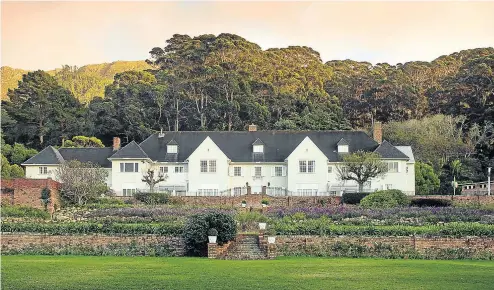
x=237 y=190
x=237 y=171
x=392 y=166
x=306 y=192
x=258 y=148
x=43 y=170
x=207 y=192
x=258 y=171
x=389 y=186
x=278 y=171
x=212 y=165
x=172 y=149
x=128 y=191
x=129 y=167
x=330 y=169
x=204 y=166
x=179 y=169
x=307 y=166
x=208 y=166
x=164 y=169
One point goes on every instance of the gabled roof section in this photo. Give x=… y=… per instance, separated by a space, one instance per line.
x=342 y=142
x=237 y=145
x=258 y=142
x=131 y=150
x=388 y=151
x=94 y=155
x=47 y=156
x=172 y=142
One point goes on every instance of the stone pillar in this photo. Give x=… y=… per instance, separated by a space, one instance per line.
x=249 y=190
x=212 y=250
x=271 y=252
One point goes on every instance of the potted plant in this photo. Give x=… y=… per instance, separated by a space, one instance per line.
x=244 y=203
x=271 y=232
x=212 y=235
x=264 y=202
x=262 y=225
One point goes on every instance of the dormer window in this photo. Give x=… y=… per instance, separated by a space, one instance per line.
x=258 y=146
x=342 y=146
x=172 y=149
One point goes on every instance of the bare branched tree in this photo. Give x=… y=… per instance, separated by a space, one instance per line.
x=81 y=181
x=361 y=167
x=151 y=180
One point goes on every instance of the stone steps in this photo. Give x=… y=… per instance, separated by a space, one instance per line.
x=245 y=248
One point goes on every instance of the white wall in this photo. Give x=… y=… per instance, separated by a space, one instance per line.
x=307 y=150
x=127 y=180
x=32 y=171
x=257 y=183
x=208 y=150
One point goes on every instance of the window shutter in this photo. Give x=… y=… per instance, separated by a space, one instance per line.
x=136 y=167
x=231 y=170
x=253 y=171
x=121 y=167
x=283 y=170
x=262 y=170
x=273 y=170
x=241 y=171
x=399 y=167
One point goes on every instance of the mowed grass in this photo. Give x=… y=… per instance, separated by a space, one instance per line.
x=75 y=272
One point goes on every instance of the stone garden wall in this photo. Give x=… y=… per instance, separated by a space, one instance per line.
x=27 y=192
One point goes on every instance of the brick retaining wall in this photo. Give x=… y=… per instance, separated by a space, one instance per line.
x=287 y=244
x=462 y=199
x=25 y=240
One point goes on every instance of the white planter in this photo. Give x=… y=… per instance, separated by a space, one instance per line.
x=244 y=204
x=262 y=226
x=264 y=205
x=271 y=240
x=212 y=239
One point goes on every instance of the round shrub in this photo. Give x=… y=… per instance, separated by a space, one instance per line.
x=196 y=229
x=152 y=198
x=385 y=199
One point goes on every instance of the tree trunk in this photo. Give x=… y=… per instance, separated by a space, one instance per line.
x=360 y=187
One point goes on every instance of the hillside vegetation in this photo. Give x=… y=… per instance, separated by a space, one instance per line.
x=85 y=82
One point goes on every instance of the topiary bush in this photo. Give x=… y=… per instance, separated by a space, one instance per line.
x=353 y=197
x=196 y=229
x=385 y=199
x=431 y=202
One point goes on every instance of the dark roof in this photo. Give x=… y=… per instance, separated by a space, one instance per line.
x=131 y=150
x=94 y=155
x=47 y=156
x=342 y=142
x=386 y=150
x=172 y=142
x=237 y=145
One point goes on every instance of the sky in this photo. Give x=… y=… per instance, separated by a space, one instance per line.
x=47 y=35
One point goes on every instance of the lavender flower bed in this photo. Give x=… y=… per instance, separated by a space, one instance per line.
x=405 y=215
x=151 y=213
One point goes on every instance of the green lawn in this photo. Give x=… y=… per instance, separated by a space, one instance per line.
x=74 y=272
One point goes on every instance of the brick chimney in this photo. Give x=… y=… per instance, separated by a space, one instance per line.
x=252 y=128
x=378 y=132
x=116 y=143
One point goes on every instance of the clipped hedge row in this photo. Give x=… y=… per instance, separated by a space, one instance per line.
x=353 y=197
x=325 y=229
x=164 y=229
x=24 y=212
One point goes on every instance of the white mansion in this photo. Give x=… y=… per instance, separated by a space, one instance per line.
x=231 y=163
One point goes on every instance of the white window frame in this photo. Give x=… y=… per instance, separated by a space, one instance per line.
x=171 y=148
x=393 y=167
x=128 y=191
x=164 y=169
x=212 y=166
x=307 y=166
x=256 y=171
x=123 y=167
x=330 y=169
x=179 y=169
x=237 y=190
x=258 y=148
x=389 y=186
x=237 y=171
x=278 y=171
x=43 y=170
x=204 y=166
x=343 y=149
